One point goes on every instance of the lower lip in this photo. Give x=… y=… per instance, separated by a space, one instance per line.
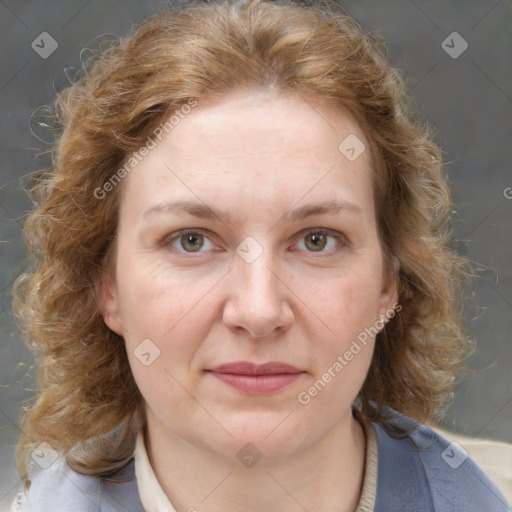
x=258 y=384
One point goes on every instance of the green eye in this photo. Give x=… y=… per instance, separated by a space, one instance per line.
x=192 y=242
x=188 y=241
x=316 y=241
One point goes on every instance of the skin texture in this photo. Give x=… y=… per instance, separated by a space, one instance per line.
x=255 y=157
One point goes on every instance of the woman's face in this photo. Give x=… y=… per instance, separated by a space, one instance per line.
x=248 y=234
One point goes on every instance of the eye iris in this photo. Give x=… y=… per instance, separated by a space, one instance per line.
x=193 y=241
x=319 y=241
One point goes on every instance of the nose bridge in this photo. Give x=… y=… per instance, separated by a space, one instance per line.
x=258 y=278
x=255 y=258
x=257 y=299
x=259 y=284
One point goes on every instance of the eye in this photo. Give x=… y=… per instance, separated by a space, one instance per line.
x=188 y=241
x=317 y=240
x=193 y=240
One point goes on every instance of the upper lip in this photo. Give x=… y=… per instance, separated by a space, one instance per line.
x=248 y=368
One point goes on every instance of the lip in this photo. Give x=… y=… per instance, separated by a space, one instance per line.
x=257 y=379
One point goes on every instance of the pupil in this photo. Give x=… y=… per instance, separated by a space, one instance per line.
x=318 y=241
x=191 y=241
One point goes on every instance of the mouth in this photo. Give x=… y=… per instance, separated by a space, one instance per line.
x=256 y=379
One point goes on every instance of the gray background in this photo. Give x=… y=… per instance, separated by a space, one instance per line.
x=467 y=100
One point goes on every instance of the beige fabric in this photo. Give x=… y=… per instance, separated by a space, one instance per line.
x=154 y=499
x=369 y=492
x=494 y=457
x=152 y=496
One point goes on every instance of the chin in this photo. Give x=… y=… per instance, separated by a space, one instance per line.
x=272 y=434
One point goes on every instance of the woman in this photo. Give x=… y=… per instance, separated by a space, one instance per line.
x=243 y=296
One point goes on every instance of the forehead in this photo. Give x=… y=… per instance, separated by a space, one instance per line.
x=259 y=149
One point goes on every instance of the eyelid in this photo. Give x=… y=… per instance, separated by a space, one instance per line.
x=338 y=236
x=169 y=239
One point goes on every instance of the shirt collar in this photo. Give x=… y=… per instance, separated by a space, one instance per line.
x=152 y=496
x=154 y=499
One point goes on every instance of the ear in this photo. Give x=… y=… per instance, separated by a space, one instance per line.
x=109 y=305
x=389 y=290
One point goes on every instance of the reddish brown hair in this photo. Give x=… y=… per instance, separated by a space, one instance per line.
x=87 y=395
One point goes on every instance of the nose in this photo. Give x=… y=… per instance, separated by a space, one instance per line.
x=258 y=302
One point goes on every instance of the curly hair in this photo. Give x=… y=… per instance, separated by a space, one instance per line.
x=88 y=406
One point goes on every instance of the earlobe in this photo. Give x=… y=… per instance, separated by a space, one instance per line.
x=109 y=306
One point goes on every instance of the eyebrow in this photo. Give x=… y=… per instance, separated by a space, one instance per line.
x=204 y=211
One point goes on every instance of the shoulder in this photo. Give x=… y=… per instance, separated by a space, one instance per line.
x=59 y=488
x=418 y=469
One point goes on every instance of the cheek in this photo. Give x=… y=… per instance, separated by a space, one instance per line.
x=342 y=357
x=165 y=319
x=349 y=303
x=166 y=326
x=349 y=307
x=158 y=303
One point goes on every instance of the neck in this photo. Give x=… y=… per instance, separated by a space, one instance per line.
x=327 y=475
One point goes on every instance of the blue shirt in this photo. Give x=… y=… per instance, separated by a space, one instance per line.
x=418 y=471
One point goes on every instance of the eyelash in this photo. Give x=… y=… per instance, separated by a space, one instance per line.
x=339 y=237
